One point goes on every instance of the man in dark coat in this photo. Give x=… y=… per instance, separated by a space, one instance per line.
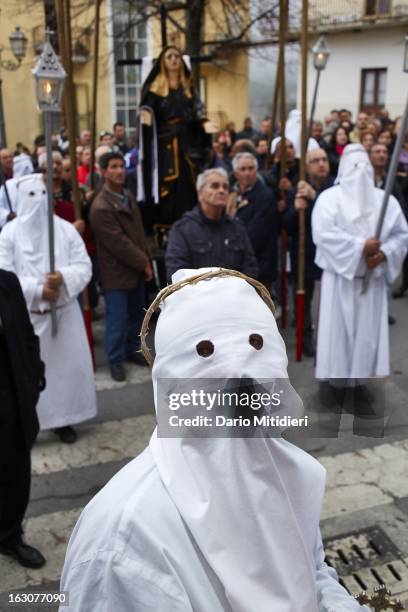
x=380 y=157
x=124 y=264
x=304 y=197
x=248 y=131
x=206 y=236
x=281 y=186
x=21 y=380
x=255 y=205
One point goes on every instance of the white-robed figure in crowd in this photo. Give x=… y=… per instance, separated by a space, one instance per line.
x=293 y=132
x=352 y=338
x=208 y=524
x=70 y=395
x=22 y=166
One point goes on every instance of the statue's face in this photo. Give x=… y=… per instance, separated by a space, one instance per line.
x=172 y=60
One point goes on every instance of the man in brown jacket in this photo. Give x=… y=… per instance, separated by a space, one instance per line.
x=124 y=264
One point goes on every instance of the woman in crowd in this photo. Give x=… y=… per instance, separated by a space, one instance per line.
x=386 y=137
x=339 y=140
x=367 y=139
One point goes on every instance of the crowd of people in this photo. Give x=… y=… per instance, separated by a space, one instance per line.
x=235 y=219
x=249 y=186
x=242 y=207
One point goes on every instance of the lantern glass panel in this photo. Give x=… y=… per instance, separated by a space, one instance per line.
x=321 y=54
x=49 y=93
x=320 y=60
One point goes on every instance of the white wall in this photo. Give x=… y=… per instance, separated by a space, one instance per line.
x=341 y=80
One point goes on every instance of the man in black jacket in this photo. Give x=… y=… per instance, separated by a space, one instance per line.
x=304 y=197
x=206 y=237
x=21 y=380
x=379 y=158
x=281 y=186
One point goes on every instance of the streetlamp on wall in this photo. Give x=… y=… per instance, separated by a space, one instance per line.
x=49 y=84
x=321 y=54
x=18 y=45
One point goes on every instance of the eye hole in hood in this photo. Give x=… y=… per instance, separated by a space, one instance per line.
x=205 y=348
x=256 y=341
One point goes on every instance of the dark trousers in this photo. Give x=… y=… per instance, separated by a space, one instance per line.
x=93 y=283
x=124 y=317
x=15 y=462
x=404 y=280
x=307 y=313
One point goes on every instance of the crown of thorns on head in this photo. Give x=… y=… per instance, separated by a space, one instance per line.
x=193 y=280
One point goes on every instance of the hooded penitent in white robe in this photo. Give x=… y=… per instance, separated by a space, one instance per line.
x=352 y=338
x=293 y=132
x=70 y=395
x=208 y=524
x=22 y=165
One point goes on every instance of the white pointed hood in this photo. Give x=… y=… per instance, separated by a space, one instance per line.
x=358 y=201
x=32 y=224
x=251 y=505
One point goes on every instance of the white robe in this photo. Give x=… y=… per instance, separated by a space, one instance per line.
x=70 y=395
x=208 y=524
x=352 y=337
x=131 y=551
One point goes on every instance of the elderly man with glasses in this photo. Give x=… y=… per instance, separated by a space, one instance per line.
x=206 y=236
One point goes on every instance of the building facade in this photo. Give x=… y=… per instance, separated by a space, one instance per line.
x=366 y=39
x=223 y=82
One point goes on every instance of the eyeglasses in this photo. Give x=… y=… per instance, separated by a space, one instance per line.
x=217 y=186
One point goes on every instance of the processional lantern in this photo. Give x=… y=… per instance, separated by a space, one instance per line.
x=321 y=53
x=49 y=77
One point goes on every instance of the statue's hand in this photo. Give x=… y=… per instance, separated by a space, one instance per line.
x=210 y=127
x=145 y=117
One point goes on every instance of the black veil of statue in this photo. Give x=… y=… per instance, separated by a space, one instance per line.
x=182 y=147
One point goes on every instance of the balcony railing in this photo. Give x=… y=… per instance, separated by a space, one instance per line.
x=349 y=13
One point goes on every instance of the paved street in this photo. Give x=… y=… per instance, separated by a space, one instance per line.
x=367 y=484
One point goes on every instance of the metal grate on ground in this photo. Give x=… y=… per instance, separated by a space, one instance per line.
x=366 y=559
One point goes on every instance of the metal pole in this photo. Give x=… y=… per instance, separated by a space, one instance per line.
x=94 y=95
x=283 y=13
x=300 y=293
x=163 y=19
x=63 y=27
x=2 y=124
x=275 y=101
x=312 y=112
x=282 y=98
x=389 y=185
x=65 y=42
x=48 y=127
